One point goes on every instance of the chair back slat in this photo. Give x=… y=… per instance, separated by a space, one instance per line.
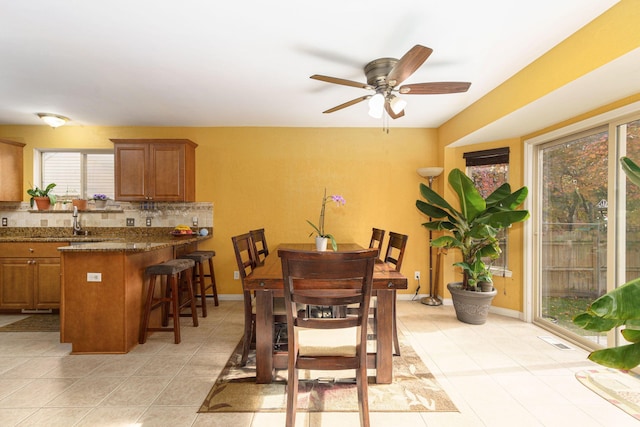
x=243 y=248
x=260 y=246
x=377 y=236
x=395 y=249
x=328 y=322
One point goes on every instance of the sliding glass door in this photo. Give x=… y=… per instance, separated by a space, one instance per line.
x=587 y=232
x=573 y=227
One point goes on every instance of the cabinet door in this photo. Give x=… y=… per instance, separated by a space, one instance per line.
x=11 y=171
x=131 y=172
x=166 y=172
x=16 y=283
x=47 y=283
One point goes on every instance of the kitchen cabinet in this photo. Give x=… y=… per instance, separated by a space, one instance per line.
x=30 y=275
x=11 y=170
x=158 y=170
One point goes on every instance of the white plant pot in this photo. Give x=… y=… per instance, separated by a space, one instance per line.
x=321 y=243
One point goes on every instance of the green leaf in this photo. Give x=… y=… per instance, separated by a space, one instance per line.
x=334 y=245
x=623 y=357
x=434 y=198
x=506 y=218
x=631 y=335
x=314 y=227
x=589 y=322
x=445 y=242
x=498 y=194
x=620 y=303
x=431 y=210
x=511 y=201
x=631 y=169
x=471 y=202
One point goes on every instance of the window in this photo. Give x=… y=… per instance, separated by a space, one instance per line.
x=80 y=173
x=489 y=169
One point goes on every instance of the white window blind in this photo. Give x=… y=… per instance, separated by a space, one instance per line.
x=78 y=173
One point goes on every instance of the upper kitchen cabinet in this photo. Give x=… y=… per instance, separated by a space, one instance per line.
x=159 y=170
x=11 y=170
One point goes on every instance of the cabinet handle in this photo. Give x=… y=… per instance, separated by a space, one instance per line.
x=31 y=250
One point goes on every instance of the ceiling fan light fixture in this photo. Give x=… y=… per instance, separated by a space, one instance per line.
x=376 y=105
x=397 y=104
x=53 y=120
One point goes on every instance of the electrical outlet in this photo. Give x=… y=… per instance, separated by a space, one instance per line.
x=149 y=222
x=4 y=222
x=131 y=222
x=94 y=277
x=416 y=275
x=194 y=221
x=236 y=275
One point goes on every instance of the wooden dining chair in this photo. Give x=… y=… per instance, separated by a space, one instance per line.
x=327 y=343
x=377 y=236
x=246 y=259
x=394 y=256
x=260 y=244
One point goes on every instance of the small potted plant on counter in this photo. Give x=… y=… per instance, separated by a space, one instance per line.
x=100 y=200
x=43 y=198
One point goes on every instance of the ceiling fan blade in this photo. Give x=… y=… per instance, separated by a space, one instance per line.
x=340 y=81
x=434 y=88
x=347 y=104
x=389 y=110
x=408 y=64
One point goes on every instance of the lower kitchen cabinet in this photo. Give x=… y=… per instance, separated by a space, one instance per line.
x=32 y=281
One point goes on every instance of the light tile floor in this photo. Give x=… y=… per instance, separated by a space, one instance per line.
x=497 y=374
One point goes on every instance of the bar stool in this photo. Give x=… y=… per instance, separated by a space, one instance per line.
x=172 y=269
x=199 y=257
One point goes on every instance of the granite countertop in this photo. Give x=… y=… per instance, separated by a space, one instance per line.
x=103 y=240
x=125 y=245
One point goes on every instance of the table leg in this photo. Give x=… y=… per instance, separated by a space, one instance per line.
x=264 y=337
x=384 y=346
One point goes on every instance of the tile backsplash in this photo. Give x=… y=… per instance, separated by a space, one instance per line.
x=20 y=214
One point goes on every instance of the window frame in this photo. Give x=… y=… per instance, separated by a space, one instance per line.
x=493 y=156
x=38 y=166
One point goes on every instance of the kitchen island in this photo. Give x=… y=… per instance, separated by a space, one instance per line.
x=104 y=287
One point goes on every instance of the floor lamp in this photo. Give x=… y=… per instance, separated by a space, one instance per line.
x=432 y=299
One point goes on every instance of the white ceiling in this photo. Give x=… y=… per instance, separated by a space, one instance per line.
x=247 y=63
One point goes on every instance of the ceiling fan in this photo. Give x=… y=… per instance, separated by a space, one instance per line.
x=384 y=75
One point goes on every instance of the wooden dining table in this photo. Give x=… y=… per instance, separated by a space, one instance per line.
x=266 y=281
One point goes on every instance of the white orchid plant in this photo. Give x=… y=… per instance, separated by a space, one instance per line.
x=319 y=230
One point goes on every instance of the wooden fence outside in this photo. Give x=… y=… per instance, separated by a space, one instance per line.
x=574 y=262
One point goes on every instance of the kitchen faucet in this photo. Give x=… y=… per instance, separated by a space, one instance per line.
x=77 y=229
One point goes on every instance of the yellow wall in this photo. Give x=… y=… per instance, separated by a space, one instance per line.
x=275 y=178
x=611 y=35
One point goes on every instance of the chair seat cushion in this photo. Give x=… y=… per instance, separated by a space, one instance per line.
x=170 y=267
x=327 y=342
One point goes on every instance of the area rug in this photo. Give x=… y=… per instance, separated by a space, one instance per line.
x=35 y=323
x=414 y=389
x=619 y=387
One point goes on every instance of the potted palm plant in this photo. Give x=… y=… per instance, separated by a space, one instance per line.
x=617 y=308
x=43 y=198
x=473 y=228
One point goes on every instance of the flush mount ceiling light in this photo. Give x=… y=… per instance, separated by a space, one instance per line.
x=53 y=120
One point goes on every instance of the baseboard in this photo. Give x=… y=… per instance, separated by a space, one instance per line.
x=447 y=301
